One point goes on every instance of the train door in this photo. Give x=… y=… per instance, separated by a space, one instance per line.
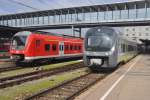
x=37 y=48
x=61 y=48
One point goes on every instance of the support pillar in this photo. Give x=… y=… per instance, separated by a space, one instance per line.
x=79 y=32
x=73 y=33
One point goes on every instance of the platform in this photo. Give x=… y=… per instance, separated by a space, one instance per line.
x=130 y=82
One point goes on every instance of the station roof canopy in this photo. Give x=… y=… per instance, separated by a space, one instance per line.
x=8 y=28
x=146 y=42
x=5 y=31
x=78 y=9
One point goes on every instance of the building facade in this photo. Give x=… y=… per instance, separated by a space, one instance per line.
x=137 y=33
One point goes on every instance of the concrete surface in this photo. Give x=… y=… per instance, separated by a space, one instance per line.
x=130 y=82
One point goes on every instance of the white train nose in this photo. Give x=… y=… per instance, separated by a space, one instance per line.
x=95 y=61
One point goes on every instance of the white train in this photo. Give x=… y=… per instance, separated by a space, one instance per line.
x=104 y=47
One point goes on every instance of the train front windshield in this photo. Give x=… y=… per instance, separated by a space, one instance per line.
x=99 y=41
x=18 y=42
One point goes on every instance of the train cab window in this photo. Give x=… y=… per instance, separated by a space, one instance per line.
x=47 y=47
x=37 y=43
x=54 y=47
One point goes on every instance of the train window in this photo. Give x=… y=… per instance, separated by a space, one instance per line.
x=71 y=47
x=47 y=47
x=62 y=47
x=79 y=47
x=75 y=47
x=123 y=47
x=54 y=47
x=66 y=47
x=38 y=43
x=131 y=48
x=133 y=34
x=59 y=47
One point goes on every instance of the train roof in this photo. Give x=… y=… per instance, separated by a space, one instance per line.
x=117 y=30
x=54 y=34
x=26 y=33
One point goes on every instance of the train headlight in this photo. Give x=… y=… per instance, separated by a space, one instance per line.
x=17 y=51
x=11 y=57
x=106 y=54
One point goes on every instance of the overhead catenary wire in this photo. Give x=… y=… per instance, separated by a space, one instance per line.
x=91 y=2
x=25 y=5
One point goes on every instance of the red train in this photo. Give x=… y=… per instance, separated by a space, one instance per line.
x=31 y=46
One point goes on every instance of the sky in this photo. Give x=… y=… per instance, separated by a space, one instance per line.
x=18 y=6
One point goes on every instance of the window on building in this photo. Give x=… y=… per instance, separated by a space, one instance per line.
x=139 y=34
x=47 y=47
x=133 y=29
x=134 y=38
x=127 y=34
x=146 y=34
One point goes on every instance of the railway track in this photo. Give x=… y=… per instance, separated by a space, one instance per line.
x=4 y=69
x=18 y=79
x=69 y=89
x=8 y=66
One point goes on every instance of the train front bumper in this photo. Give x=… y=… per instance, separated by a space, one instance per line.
x=96 y=54
x=96 y=59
